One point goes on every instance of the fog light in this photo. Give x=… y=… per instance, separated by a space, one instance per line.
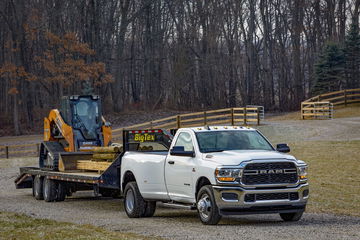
x=306 y=193
x=229 y=196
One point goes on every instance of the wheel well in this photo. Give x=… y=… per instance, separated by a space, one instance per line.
x=202 y=181
x=129 y=177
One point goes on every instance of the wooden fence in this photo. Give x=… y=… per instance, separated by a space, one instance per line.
x=321 y=106
x=317 y=110
x=30 y=150
x=227 y=116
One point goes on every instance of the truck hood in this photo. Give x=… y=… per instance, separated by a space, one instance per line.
x=236 y=157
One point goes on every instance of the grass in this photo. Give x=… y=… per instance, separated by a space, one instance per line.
x=334 y=177
x=17 y=226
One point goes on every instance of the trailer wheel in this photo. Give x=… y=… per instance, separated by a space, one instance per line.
x=38 y=187
x=206 y=206
x=61 y=192
x=291 y=217
x=49 y=190
x=150 y=207
x=134 y=203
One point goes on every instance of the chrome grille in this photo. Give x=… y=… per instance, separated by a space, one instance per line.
x=269 y=173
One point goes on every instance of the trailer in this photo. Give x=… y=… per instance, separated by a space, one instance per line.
x=54 y=185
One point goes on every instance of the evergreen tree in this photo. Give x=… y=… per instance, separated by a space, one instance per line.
x=352 y=56
x=329 y=69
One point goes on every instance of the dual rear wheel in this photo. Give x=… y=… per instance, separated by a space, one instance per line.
x=48 y=189
x=135 y=205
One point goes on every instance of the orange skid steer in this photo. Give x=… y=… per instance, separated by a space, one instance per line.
x=73 y=130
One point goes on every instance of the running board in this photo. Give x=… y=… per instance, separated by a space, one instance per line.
x=180 y=206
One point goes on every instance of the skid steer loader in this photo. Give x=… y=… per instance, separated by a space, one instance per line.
x=73 y=131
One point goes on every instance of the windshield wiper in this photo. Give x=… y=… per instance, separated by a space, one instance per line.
x=209 y=151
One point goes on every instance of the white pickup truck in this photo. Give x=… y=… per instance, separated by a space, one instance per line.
x=216 y=170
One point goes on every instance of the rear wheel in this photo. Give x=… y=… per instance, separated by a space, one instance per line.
x=133 y=201
x=61 y=192
x=291 y=217
x=38 y=187
x=150 y=207
x=206 y=206
x=49 y=190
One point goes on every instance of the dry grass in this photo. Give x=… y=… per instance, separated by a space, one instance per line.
x=16 y=226
x=352 y=110
x=334 y=177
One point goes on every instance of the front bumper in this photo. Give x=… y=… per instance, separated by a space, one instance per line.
x=238 y=205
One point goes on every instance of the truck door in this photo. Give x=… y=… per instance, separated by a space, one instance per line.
x=178 y=171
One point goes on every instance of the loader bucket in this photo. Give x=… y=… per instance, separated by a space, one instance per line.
x=68 y=161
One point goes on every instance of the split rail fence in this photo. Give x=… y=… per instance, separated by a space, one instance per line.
x=226 y=116
x=322 y=106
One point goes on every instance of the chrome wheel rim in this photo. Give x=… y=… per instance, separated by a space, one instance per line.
x=129 y=200
x=204 y=206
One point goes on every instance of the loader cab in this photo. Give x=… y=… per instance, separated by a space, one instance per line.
x=83 y=114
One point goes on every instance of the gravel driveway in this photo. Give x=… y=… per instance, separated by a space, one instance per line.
x=170 y=223
x=182 y=224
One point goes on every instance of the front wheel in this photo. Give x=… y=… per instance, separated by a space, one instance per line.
x=133 y=201
x=206 y=206
x=291 y=217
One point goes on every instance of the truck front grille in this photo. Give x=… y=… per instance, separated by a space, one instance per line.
x=271 y=196
x=269 y=173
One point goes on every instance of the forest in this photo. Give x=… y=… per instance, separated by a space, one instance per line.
x=173 y=54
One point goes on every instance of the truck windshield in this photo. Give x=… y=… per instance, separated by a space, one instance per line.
x=218 y=141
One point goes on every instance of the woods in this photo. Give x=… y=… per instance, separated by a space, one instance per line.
x=176 y=54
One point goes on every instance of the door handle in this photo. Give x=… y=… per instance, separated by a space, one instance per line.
x=171 y=162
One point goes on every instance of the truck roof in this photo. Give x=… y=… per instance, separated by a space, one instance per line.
x=221 y=128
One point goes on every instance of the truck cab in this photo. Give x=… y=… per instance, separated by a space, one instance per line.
x=223 y=170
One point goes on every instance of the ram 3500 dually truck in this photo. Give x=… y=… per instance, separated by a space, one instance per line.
x=218 y=171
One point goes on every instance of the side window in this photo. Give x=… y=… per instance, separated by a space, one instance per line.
x=185 y=140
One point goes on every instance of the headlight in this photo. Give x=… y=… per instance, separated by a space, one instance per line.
x=227 y=174
x=302 y=172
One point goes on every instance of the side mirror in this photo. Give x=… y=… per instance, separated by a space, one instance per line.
x=180 y=151
x=282 y=147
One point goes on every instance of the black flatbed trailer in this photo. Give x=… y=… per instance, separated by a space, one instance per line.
x=106 y=183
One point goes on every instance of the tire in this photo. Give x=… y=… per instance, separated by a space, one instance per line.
x=49 y=190
x=206 y=206
x=150 y=207
x=38 y=187
x=61 y=192
x=291 y=217
x=134 y=203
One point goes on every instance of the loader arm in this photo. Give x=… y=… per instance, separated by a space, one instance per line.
x=54 y=120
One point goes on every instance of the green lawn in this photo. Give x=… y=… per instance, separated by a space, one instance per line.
x=16 y=226
x=334 y=168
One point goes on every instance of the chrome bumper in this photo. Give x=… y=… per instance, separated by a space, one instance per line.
x=240 y=206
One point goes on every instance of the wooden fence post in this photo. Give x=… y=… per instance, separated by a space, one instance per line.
x=38 y=149
x=345 y=97
x=205 y=119
x=151 y=125
x=232 y=117
x=245 y=116
x=178 y=121
x=258 y=116
x=7 y=151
